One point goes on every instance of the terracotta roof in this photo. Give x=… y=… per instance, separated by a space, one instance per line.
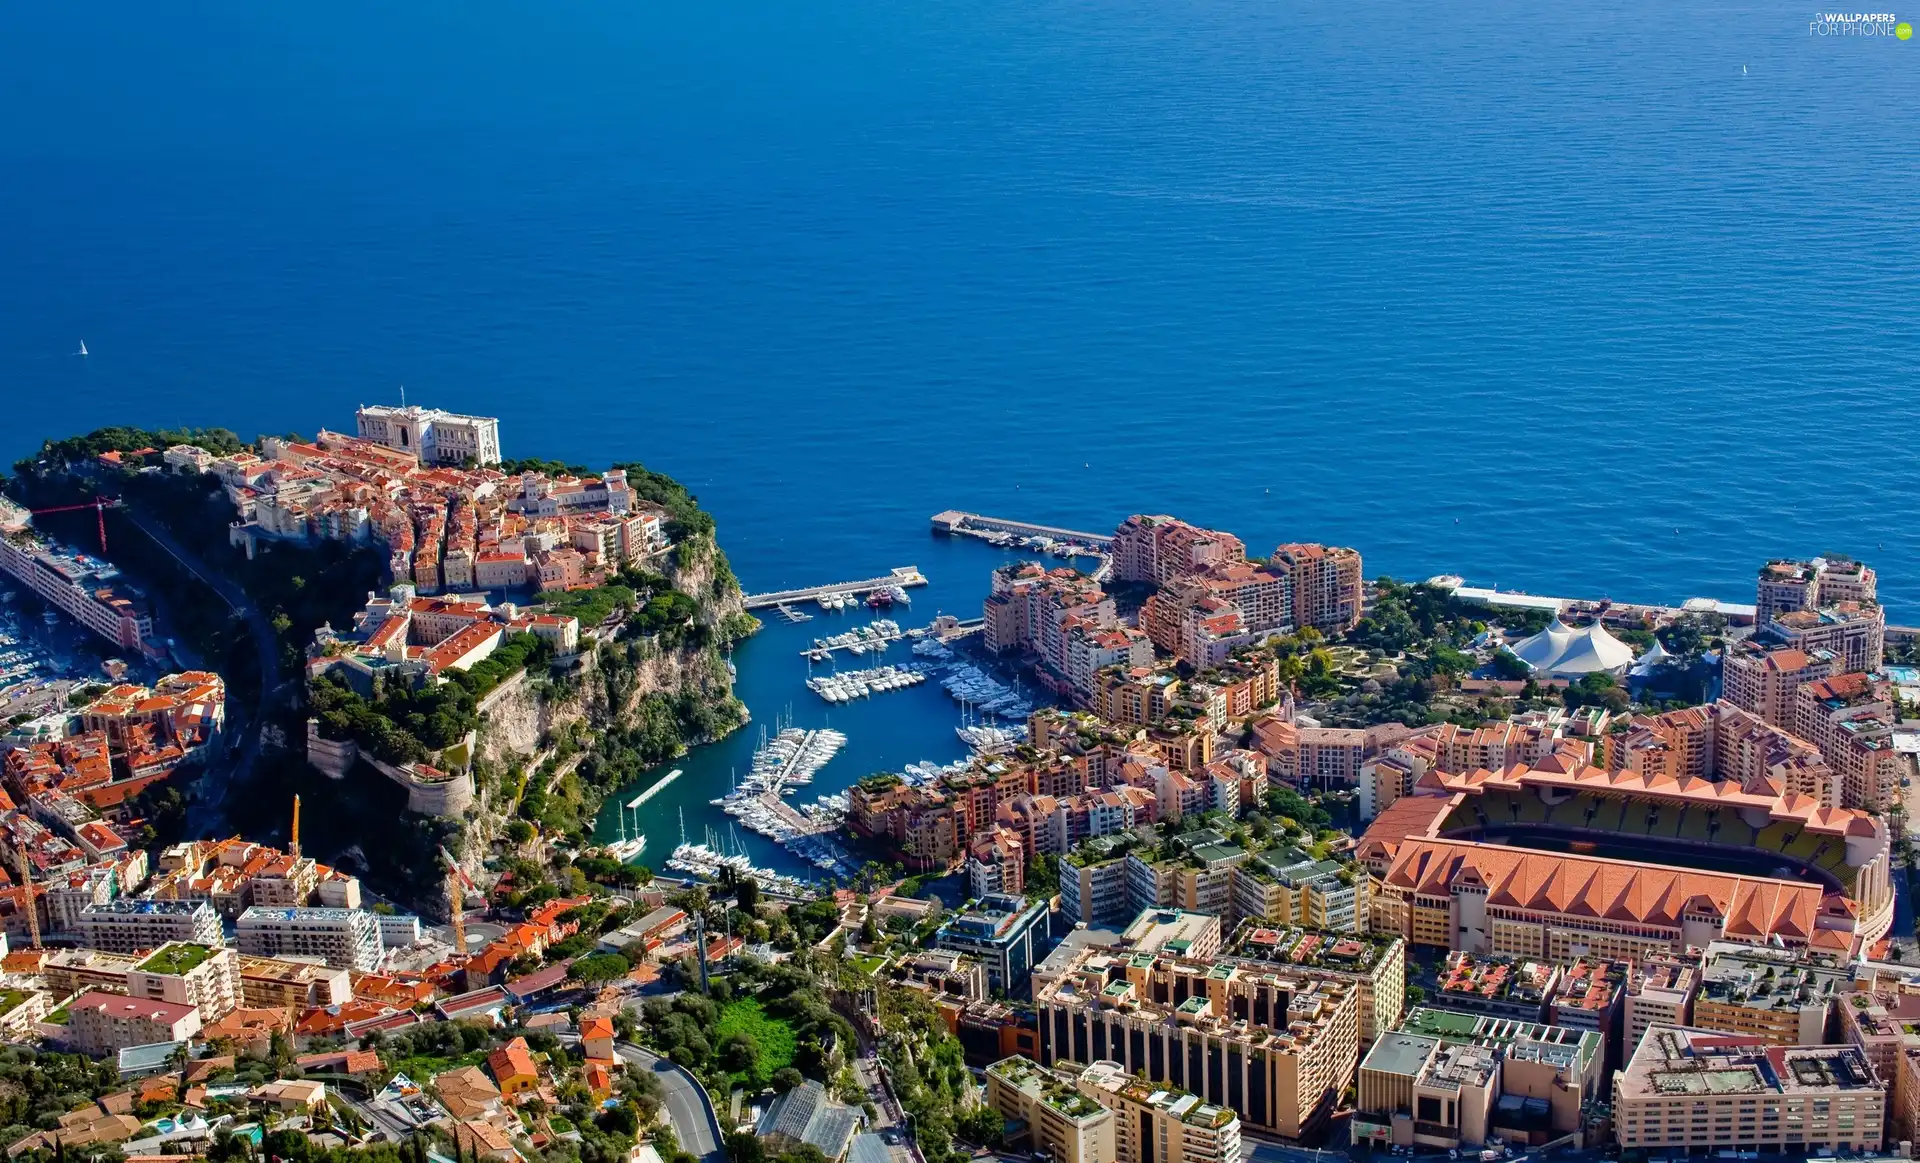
x=1615 y=890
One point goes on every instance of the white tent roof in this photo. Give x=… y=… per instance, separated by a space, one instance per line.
x=1655 y=657
x=1561 y=650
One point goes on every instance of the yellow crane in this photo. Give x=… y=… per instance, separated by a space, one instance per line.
x=293 y=844
x=456 y=902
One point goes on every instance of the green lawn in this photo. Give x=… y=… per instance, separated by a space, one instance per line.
x=176 y=958
x=869 y=965
x=773 y=1037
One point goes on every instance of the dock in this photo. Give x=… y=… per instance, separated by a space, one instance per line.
x=902 y=576
x=957 y=521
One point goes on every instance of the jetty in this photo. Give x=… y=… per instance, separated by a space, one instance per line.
x=644 y=796
x=957 y=521
x=902 y=576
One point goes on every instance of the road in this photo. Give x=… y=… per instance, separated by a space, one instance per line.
x=685 y=1103
x=203 y=815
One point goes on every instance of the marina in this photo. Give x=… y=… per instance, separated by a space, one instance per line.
x=979 y=692
x=900 y=579
x=848 y=685
x=874 y=637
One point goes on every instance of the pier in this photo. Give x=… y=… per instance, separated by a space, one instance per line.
x=902 y=576
x=644 y=796
x=956 y=521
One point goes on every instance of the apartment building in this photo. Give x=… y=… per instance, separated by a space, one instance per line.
x=126 y=926
x=202 y=976
x=85 y=588
x=1093 y=885
x=344 y=938
x=1697 y=1092
x=1660 y=992
x=1030 y=608
x=1763 y=678
x=1855 y=632
x=99 y=1023
x=1176 y=931
x=1782 y=998
x=1850 y=718
x=1291 y=888
x=1590 y=995
x=1060 y=1120
x=1156 y=1123
x=1498 y=987
x=1328 y=593
x=997 y=863
x=270 y=983
x=1786 y=586
x=1375 y=964
x=1160 y=549
x=1274 y=1044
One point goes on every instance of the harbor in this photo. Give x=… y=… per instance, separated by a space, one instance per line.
x=847 y=685
x=914 y=730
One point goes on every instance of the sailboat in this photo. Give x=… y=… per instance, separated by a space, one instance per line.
x=83 y=348
x=624 y=849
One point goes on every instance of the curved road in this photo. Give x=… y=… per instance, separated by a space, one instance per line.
x=686 y=1104
x=203 y=814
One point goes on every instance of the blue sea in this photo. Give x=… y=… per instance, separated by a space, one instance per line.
x=1602 y=300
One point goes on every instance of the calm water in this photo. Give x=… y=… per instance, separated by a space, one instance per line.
x=1559 y=299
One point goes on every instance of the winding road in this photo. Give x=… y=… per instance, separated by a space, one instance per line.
x=203 y=815
x=685 y=1102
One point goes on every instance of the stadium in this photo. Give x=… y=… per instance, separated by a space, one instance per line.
x=1570 y=856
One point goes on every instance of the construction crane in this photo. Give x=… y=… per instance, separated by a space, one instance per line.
x=99 y=505
x=457 y=877
x=26 y=880
x=293 y=842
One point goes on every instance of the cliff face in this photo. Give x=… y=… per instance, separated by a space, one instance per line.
x=699 y=569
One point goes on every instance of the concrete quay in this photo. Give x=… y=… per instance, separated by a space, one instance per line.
x=957 y=521
x=903 y=576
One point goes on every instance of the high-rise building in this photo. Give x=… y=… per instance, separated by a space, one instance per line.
x=1850 y=718
x=1760 y=678
x=1328 y=593
x=1158 y=549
